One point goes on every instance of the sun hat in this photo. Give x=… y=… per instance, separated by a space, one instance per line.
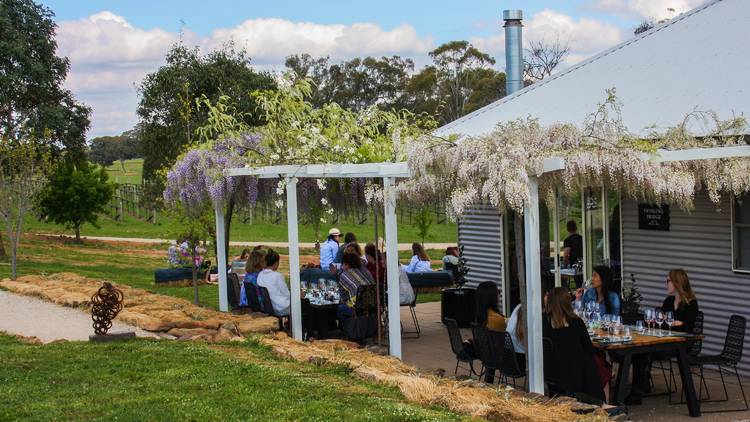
x=334 y=231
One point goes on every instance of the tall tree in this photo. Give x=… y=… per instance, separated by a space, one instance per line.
x=455 y=62
x=33 y=102
x=105 y=150
x=167 y=110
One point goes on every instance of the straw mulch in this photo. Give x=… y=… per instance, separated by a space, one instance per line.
x=149 y=311
x=467 y=397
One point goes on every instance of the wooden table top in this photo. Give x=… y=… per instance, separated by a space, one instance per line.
x=640 y=340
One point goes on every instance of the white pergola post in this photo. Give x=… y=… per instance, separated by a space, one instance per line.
x=391 y=248
x=221 y=257
x=533 y=290
x=294 y=282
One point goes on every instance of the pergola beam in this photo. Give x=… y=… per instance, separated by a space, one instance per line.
x=325 y=171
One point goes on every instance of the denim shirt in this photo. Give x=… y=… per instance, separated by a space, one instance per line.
x=328 y=251
x=614 y=299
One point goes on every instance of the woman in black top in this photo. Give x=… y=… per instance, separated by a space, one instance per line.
x=571 y=367
x=681 y=301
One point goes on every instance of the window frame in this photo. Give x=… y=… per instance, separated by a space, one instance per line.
x=733 y=227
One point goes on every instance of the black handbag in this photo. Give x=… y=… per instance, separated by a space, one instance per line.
x=360 y=327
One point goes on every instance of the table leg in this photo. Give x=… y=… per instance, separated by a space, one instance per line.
x=694 y=406
x=622 y=378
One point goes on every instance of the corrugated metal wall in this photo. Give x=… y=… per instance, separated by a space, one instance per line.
x=480 y=232
x=700 y=242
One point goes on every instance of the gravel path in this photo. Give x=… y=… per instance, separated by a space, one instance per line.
x=30 y=316
x=401 y=246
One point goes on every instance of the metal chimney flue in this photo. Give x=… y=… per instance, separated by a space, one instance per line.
x=513 y=50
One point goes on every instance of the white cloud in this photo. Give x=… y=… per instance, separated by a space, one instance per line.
x=584 y=36
x=109 y=56
x=644 y=9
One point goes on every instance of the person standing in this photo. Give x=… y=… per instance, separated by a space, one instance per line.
x=329 y=249
x=572 y=245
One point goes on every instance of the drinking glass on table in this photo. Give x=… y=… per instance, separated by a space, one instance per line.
x=659 y=316
x=649 y=317
x=669 y=319
x=639 y=326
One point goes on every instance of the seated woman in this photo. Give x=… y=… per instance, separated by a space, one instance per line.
x=275 y=283
x=375 y=263
x=451 y=256
x=572 y=367
x=255 y=264
x=517 y=329
x=681 y=301
x=601 y=292
x=420 y=262
x=487 y=309
x=353 y=275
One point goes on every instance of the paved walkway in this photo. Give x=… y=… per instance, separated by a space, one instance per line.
x=308 y=245
x=33 y=317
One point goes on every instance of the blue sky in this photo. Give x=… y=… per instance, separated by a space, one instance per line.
x=113 y=44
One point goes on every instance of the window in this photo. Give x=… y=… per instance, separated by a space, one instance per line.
x=741 y=233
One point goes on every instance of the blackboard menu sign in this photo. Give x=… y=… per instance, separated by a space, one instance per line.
x=653 y=217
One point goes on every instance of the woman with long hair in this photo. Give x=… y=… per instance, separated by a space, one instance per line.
x=253 y=267
x=487 y=307
x=420 y=262
x=680 y=300
x=601 y=292
x=572 y=367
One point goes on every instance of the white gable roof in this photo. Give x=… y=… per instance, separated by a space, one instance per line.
x=697 y=61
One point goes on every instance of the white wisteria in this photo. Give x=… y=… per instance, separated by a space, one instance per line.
x=495 y=168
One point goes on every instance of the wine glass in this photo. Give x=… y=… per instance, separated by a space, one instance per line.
x=649 y=317
x=659 y=319
x=669 y=319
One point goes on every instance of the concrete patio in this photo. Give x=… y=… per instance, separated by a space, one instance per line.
x=432 y=351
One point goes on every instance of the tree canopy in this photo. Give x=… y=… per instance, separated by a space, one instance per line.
x=33 y=102
x=167 y=110
x=105 y=150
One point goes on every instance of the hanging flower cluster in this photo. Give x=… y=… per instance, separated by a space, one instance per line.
x=496 y=168
x=180 y=255
x=197 y=179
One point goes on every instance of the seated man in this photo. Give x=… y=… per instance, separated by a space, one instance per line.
x=275 y=283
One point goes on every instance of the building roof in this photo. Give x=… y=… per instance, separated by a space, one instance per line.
x=698 y=61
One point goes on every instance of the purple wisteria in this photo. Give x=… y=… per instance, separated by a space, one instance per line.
x=197 y=180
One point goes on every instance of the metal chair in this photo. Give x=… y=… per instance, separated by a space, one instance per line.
x=728 y=359
x=267 y=307
x=233 y=290
x=507 y=362
x=483 y=350
x=251 y=293
x=695 y=350
x=457 y=345
x=412 y=308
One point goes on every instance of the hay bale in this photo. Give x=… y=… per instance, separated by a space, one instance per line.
x=210 y=324
x=226 y=334
x=73 y=300
x=187 y=332
x=257 y=325
x=143 y=321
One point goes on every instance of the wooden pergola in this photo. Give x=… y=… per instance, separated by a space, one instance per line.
x=291 y=173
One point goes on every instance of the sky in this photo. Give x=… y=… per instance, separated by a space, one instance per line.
x=113 y=44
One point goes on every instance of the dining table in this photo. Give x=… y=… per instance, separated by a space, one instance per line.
x=649 y=341
x=322 y=315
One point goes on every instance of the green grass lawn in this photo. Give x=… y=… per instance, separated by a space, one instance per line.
x=131 y=264
x=167 y=228
x=132 y=174
x=170 y=380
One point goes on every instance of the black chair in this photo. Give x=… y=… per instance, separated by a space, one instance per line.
x=233 y=290
x=267 y=307
x=484 y=351
x=695 y=350
x=251 y=294
x=728 y=359
x=364 y=322
x=510 y=366
x=457 y=345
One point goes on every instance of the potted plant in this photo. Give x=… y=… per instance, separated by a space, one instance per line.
x=631 y=302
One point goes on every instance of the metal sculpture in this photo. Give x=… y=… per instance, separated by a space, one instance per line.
x=106 y=303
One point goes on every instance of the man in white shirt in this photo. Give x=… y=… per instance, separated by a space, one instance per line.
x=275 y=283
